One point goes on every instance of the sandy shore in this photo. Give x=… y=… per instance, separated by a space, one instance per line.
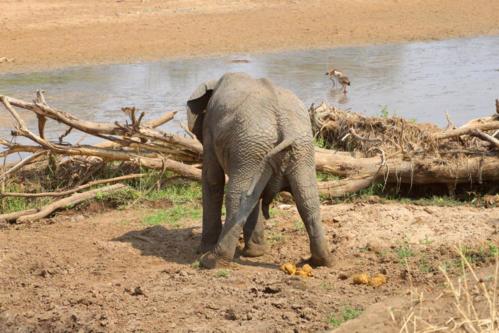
x=43 y=34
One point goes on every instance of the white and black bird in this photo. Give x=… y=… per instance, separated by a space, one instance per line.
x=337 y=76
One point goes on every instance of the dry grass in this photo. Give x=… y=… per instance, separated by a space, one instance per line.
x=468 y=304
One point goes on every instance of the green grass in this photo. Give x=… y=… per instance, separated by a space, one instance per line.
x=493 y=249
x=178 y=193
x=451 y=265
x=324 y=177
x=186 y=201
x=16 y=204
x=275 y=237
x=223 y=273
x=118 y=198
x=374 y=189
x=404 y=252
x=426 y=241
x=320 y=142
x=154 y=186
x=13 y=204
x=424 y=265
x=480 y=254
x=346 y=314
x=298 y=225
x=273 y=212
x=172 y=216
x=384 y=113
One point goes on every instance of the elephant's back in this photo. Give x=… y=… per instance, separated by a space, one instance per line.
x=255 y=103
x=250 y=116
x=237 y=91
x=245 y=106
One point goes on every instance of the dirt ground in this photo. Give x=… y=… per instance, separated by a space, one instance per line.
x=42 y=34
x=110 y=272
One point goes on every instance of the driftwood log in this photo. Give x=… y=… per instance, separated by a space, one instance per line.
x=361 y=150
x=76 y=198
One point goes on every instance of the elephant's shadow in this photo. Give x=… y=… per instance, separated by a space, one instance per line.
x=177 y=245
x=172 y=245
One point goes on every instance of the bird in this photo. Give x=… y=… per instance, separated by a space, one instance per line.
x=337 y=76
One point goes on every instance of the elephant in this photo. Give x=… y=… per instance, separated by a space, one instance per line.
x=260 y=136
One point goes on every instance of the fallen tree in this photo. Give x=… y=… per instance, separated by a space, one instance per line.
x=394 y=151
x=360 y=150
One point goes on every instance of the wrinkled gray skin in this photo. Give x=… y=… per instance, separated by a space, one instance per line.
x=260 y=136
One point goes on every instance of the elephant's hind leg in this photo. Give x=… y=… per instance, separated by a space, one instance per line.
x=240 y=204
x=213 y=192
x=304 y=188
x=253 y=230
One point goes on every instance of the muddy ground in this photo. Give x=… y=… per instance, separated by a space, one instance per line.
x=85 y=271
x=43 y=34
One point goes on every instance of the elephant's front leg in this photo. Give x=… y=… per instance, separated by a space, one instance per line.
x=254 y=238
x=213 y=191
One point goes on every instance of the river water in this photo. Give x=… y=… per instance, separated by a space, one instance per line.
x=417 y=80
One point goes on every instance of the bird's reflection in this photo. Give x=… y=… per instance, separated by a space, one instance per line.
x=338 y=95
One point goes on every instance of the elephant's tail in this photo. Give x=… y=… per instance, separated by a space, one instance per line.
x=267 y=168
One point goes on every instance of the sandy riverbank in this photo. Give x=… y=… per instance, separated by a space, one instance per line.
x=47 y=34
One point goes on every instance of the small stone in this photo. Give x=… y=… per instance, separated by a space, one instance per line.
x=136 y=292
x=212 y=307
x=307 y=314
x=375 y=247
x=271 y=290
x=374 y=199
x=278 y=304
x=77 y=218
x=230 y=314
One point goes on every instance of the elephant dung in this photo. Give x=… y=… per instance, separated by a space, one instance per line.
x=305 y=271
x=289 y=268
x=374 y=281
x=377 y=280
x=362 y=278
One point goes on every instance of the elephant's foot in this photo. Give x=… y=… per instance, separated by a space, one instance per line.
x=210 y=260
x=316 y=261
x=254 y=250
x=205 y=247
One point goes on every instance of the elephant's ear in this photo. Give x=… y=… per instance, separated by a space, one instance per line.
x=196 y=107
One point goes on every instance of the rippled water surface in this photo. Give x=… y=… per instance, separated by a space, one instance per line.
x=420 y=81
